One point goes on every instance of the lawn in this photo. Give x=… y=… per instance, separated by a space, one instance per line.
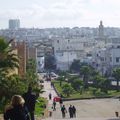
x=85 y=94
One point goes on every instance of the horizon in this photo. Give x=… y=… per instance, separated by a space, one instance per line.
x=64 y=13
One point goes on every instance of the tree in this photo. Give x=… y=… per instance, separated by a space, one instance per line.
x=72 y=78
x=101 y=82
x=75 y=66
x=77 y=84
x=67 y=89
x=31 y=74
x=61 y=79
x=8 y=59
x=32 y=77
x=9 y=86
x=31 y=63
x=50 y=62
x=85 y=71
x=116 y=75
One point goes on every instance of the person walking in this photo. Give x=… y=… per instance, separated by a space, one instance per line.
x=16 y=110
x=51 y=84
x=70 y=111
x=50 y=111
x=50 y=96
x=54 y=105
x=64 y=111
x=61 y=102
x=74 y=111
x=30 y=100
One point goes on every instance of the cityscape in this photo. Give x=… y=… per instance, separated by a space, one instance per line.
x=96 y=46
x=63 y=70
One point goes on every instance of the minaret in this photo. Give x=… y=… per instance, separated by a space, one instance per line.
x=101 y=31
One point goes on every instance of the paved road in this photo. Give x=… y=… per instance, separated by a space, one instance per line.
x=103 y=109
x=93 y=109
x=48 y=89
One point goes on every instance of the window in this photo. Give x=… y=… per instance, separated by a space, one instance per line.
x=118 y=46
x=102 y=58
x=57 y=41
x=110 y=59
x=117 y=59
x=67 y=47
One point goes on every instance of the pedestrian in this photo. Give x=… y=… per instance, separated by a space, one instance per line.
x=51 y=84
x=54 y=105
x=64 y=111
x=61 y=102
x=61 y=95
x=16 y=110
x=74 y=111
x=70 y=111
x=50 y=96
x=50 y=111
x=30 y=100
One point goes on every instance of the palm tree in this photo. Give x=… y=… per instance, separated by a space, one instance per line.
x=8 y=59
x=85 y=71
x=116 y=75
x=67 y=89
x=31 y=74
x=101 y=82
x=61 y=79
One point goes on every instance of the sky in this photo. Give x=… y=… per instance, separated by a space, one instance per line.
x=60 y=13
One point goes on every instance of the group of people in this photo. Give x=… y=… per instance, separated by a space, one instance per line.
x=71 y=110
x=21 y=107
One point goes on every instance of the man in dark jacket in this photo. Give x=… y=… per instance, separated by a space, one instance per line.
x=74 y=111
x=30 y=100
x=71 y=111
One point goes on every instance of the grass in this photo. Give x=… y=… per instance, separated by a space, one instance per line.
x=40 y=106
x=57 y=85
x=86 y=94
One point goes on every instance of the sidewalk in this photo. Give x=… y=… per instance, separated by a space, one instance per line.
x=48 y=89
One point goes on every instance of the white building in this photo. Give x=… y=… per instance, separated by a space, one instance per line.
x=40 y=63
x=66 y=50
x=107 y=58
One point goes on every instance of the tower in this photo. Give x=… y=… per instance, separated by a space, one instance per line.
x=14 y=24
x=101 y=30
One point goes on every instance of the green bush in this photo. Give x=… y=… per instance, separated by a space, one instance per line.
x=67 y=89
x=40 y=106
x=93 y=90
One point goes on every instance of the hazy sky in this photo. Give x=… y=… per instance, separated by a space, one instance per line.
x=60 y=13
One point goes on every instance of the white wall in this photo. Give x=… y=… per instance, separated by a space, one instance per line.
x=40 y=63
x=64 y=59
